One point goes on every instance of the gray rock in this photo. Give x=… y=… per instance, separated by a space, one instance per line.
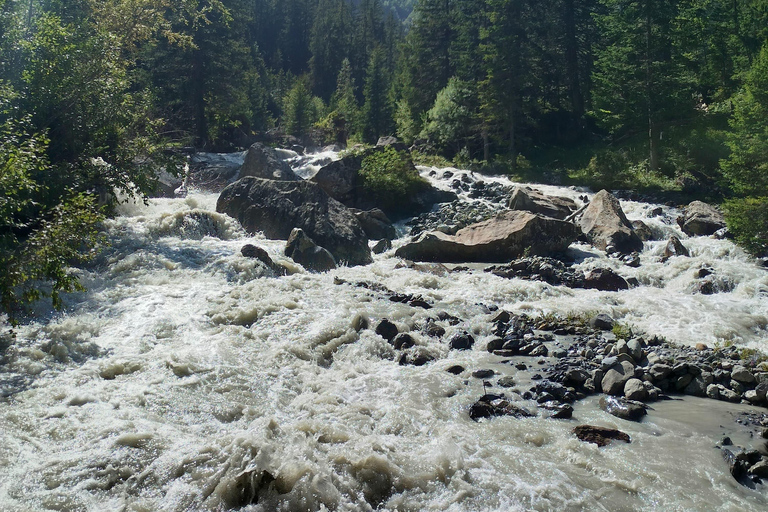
x=751 y=397
x=375 y=223
x=697 y=387
x=616 y=377
x=277 y=207
x=602 y=322
x=743 y=375
x=713 y=391
x=759 y=469
x=390 y=141
x=728 y=395
x=642 y=230
x=660 y=371
x=605 y=224
x=623 y=408
x=504 y=237
x=635 y=347
x=528 y=199
x=600 y=436
x=252 y=251
x=634 y=389
x=576 y=376
x=403 y=341
x=762 y=391
x=674 y=247
x=264 y=162
x=604 y=279
x=461 y=341
x=381 y=246
x=303 y=250
x=701 y=219
x=506 y=382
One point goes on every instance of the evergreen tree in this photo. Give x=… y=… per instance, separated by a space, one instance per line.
x=377 y=110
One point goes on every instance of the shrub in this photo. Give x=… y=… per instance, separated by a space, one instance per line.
x=748 y=221
x=390 y=179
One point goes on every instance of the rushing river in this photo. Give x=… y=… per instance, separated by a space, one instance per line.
x=190 y=378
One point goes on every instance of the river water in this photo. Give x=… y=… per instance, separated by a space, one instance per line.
x=190 y=378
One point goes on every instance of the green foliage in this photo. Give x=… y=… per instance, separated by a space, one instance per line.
x=747 y=166
x=748 y=221
x=623 y=331
x=389 y=178
x=299 y=109
x=377 y=110
x=450 y=122
x=407 y=128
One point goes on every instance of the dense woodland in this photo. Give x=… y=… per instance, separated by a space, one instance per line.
x=646 y=94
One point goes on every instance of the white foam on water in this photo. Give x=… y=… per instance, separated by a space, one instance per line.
x=188 y=377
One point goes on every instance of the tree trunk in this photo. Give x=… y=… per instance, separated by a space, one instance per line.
x=652 y=136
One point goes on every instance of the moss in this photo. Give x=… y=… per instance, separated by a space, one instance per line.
x=390 y=179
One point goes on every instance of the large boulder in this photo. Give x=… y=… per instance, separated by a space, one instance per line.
x=528 y=199
x=502 y=238
x=616 y=377
x=605 y=225
x=277 y=207
x=604 y=279
x=264 y=162
x=700 y=219
x=340 y=180
x=214 y=171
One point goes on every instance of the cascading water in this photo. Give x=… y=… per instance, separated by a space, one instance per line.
x=189 y=377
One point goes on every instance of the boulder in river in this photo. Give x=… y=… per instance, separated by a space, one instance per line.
x=606 y=226
x=616 y=377
x=277 y=207
x=528 y=199
x=601 y=436
x=623 y=408
x=504 y=237
x=604 y=279
x=701 y=219
x=262 y=161
x=303 y=250
x=674 y=247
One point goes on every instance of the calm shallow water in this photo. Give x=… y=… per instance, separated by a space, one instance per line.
x=188 y=376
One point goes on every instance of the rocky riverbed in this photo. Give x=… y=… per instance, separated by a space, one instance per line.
x=195 y=374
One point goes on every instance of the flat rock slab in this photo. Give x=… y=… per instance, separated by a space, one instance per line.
x=504 y=237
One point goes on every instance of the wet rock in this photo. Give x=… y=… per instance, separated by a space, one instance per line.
x=605 y=225
x=375 y=224
x=700 y=219
x=604 y=279
x=255 y=252
x=576 y=377
x=381 y=246
x=602 y=322
x=506 y=382
x=455 y=369
x=434 y=330
x=483 y=374
x=415 y=356
x=303 y=250
x=490 y=406
x=504 y=237
x=539 y=268
x=674 y=247
x=616 y=377
x=634 y=389
x=703 y=272
x=528 y=199
x=278 y=207
x=461 y=341
x=642 y=230
x=558 y=411
x=387 y=330
x=262 y=161
x=402 y=341
x=697 y=387
x=623 y=408
x=759 y=469
x=601 y=436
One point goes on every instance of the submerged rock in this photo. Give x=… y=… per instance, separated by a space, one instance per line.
x=623 y=408
x=490 y=406
x=674 y=247
x=601 y=436
x=604 y=279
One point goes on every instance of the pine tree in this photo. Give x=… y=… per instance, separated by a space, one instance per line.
x=377 y=110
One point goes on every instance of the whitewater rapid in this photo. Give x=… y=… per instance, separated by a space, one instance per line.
x=188 y=377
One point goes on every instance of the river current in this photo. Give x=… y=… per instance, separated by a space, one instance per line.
x=188 y=377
